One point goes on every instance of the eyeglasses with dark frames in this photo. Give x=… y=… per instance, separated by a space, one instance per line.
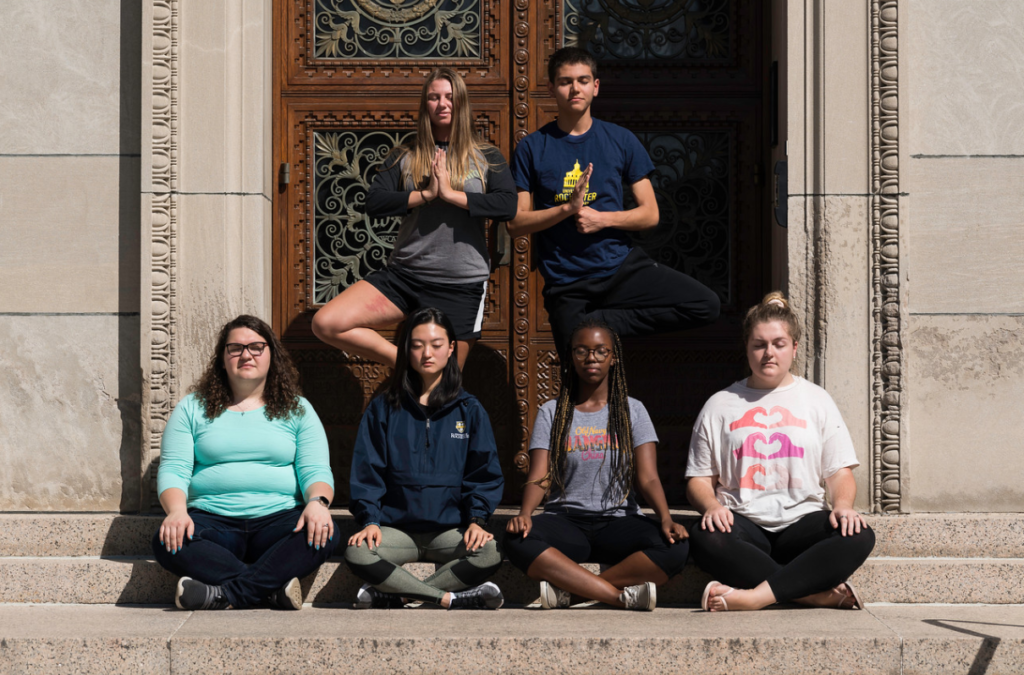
x=236 y=348
x=600 y=353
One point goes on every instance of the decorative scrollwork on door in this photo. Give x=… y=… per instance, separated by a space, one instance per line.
x=641 y=30
x=398 y=29
x=691 y=182
x=348 y=244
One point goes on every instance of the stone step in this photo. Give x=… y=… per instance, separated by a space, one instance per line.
x=889 y=640
x=135 y=580
x=975 y=535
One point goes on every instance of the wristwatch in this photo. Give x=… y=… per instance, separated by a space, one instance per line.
x=323 y=500
x=477 y=520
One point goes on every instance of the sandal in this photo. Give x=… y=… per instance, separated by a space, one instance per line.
x=707 y=594
x=857 y=602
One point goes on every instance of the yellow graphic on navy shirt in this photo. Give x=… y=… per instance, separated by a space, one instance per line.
x=569 y=184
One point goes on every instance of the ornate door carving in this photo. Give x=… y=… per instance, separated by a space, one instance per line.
x=685 y=76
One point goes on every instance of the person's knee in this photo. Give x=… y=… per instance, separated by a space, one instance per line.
x=865 y=541
x=712 y=306
x=361 y=555
x=326 y=323
x=488 y=556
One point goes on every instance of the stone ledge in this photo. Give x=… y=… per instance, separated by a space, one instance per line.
x=136 y=580
x=966 y=535
x=893 y=639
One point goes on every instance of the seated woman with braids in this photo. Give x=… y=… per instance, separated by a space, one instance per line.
x=588 y=451
x=762 y=452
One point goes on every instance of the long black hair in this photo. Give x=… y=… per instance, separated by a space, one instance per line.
x=620 y=428
x=406 y=380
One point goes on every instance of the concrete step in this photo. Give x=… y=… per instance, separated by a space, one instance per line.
x=136 y=580
x=890 y=640
x=977 y=535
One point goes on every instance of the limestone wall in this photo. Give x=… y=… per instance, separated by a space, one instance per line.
x=69 y=251
x=962 y=160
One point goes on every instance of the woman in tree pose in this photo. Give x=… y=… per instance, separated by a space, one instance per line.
x=425 y=479
x=244 y=479
x=591 y=450
x=445 y=184
x=762 y=452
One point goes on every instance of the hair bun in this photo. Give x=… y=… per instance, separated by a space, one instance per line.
x=776 y=298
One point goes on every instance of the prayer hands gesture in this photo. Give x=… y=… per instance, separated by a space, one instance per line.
x=439 y=175
x=370 y=534
x=476 y=537
x=520 y=524
x=579 y=193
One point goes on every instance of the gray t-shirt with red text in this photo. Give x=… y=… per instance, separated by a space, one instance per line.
x=589 y=489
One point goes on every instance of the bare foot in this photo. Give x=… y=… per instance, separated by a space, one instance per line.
x=716 y=598
x=840 y=597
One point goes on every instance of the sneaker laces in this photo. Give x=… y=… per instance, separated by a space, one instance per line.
x=636 y=597
x=196 y=595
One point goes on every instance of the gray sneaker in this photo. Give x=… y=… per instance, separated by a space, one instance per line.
x=485 y=596
x=642 y=597
x=552 y=597
x=288 y=596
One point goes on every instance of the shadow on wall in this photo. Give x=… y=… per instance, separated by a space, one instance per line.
x=134 y=495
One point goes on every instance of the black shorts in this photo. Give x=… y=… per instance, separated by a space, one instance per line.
x=597 y=539
x=463 y=304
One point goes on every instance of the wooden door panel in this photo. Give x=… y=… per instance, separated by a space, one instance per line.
x=366 y=44
x=690 y=89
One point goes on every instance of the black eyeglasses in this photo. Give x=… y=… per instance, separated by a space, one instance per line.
x=600 y=354
x=236 y=348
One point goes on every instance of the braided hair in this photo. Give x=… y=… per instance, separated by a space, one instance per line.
x=620 y=430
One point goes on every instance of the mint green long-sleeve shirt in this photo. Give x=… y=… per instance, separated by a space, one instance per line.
x=242 y=465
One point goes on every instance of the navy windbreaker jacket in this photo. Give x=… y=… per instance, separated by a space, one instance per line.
x=421 y=474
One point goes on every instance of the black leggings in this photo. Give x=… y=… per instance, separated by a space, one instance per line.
x=598 y=539
x=807 y=557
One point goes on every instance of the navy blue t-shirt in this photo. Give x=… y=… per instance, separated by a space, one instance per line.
x=547 y=164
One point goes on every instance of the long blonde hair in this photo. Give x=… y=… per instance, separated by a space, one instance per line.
x=465 y=151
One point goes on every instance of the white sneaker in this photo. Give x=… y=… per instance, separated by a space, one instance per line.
x=642 y=597
x=552 y=597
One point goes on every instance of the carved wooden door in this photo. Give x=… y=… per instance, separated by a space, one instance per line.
x=684 y=75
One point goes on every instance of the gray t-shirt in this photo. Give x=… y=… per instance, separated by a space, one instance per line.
x=588 y=472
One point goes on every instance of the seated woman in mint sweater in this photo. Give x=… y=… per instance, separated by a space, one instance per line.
x=245 y=480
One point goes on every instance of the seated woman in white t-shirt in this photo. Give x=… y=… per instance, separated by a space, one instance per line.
x=762 y=452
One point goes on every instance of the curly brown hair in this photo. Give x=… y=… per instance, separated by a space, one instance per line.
x=281 y=392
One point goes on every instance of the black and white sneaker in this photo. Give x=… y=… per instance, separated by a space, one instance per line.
x=642 y=597
x=368 y=597
x=195 y=595
x=485 y=596
x=288 y=596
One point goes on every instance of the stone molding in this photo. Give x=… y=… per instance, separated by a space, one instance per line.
x=160 y=226
x=886 y=298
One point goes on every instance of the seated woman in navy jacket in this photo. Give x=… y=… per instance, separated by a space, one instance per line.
x=425 y=479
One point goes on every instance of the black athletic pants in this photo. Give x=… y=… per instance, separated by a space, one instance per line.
x=807 y=557
x=642 y=297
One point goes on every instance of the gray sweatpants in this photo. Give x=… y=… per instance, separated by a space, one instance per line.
x=458 y=568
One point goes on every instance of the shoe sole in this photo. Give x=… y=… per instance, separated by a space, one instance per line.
x=653 y=598
x=179 y=589
x=857 y=602
x=293 y=592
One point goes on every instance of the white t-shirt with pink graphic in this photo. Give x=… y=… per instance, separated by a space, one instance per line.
x=771 y=450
